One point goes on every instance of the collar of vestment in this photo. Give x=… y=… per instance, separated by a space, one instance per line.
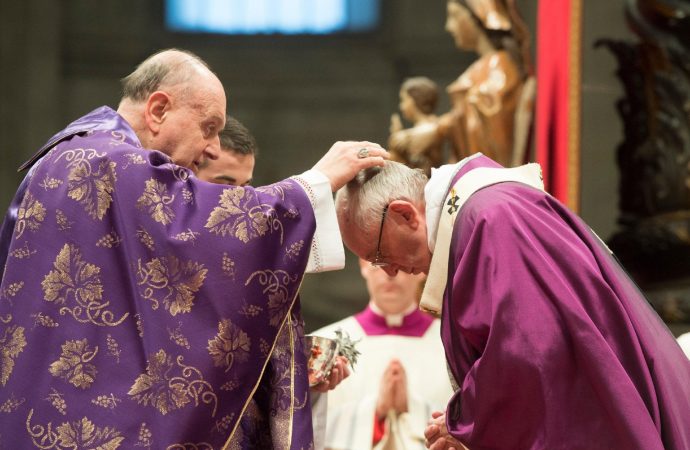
x=469 y=176
x=412 y=324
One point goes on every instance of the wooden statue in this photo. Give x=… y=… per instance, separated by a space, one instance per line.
x=420 y=146
x=492 y=100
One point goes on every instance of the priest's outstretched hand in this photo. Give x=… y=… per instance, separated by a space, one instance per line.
x=345 y=158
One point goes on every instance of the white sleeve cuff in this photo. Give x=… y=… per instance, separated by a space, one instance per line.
x=327 y=252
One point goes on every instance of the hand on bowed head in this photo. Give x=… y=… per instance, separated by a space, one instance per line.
x=392 y=391
x=345 y=159
x=437 y=436
x=339 y=372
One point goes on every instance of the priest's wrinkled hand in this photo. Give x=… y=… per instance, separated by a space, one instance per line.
x=339 y=372
x=437 y=436
x=345 y=159
x=392 y=390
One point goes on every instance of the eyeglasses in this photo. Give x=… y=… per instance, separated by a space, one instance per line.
x=377 y=262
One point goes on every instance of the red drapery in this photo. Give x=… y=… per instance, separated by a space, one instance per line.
x=557 y=131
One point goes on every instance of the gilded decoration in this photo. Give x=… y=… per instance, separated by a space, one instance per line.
x=91 y=188
x=168 y=386
x=187 y=196
x=294 y=250
x=110 y=240
x=190 y=446
x=171 y=281
x=50 y=183
x=23 y=252
x=106 y=401
x=29 y=216
x=133 y=159
x=11 y=290
x=80 y=434
x=145 y=437
x=187 y=236
x=276 y=190
x=62 y=220
x=275 y=283
x=76 y=284
x=11 y=345
x=11 y=404
x=230 y=344
x=113 y=348
x=178 y=338
x=44 y=321
x=74 y=364
x=228 y=266
x=223 y=425
x=235 y=216
x=56 y=399
x=146 y=239
x=156 y=200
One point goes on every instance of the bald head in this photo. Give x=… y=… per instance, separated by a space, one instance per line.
x=175 y=104
x=167 y=70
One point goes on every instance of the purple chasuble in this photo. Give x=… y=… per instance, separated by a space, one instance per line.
x=142 y=307
x=414 y=324
x=551 y=343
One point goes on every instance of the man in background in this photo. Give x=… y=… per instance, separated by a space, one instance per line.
x=235 y=163
x=400 y=376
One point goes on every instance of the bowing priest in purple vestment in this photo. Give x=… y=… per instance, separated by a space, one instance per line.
x=549 y=344
x=143 y=307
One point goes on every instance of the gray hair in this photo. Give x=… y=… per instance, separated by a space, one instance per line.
x=361 y=201
x=168 y=68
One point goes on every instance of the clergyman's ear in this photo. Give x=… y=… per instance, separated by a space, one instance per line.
x=406 y=212
x=157 y=107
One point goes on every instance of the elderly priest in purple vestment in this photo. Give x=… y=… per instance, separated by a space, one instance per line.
x=139 y=305
x=549 y=343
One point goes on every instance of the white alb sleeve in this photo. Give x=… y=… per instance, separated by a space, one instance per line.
x=327 y=252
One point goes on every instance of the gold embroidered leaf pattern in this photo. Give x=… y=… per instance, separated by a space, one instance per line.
x=230 y=344
x=77 y=284
x=74 y=364
x=275 y=286
x=224 y=423
x=83 y=434
x=11 y=345
x=168 y=386
x=110 y=240
x=92 y=189
x=174 y=280
x=276 y=190
x=155 y=201
x=72 y=279
x=187 y=196
x=234 y=216
x=29 y=216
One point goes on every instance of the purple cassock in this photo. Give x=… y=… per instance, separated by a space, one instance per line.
x=143 y=308
x=551 y=343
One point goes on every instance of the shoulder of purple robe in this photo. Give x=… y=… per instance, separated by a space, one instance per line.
x=123 y=256
x=551 y=343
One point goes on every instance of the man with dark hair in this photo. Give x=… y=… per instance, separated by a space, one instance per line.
x=139 y=305
x=235 y=164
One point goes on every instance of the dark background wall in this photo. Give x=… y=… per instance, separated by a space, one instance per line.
x=60 y=59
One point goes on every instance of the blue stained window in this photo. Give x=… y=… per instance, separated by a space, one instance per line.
x=272 y=16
